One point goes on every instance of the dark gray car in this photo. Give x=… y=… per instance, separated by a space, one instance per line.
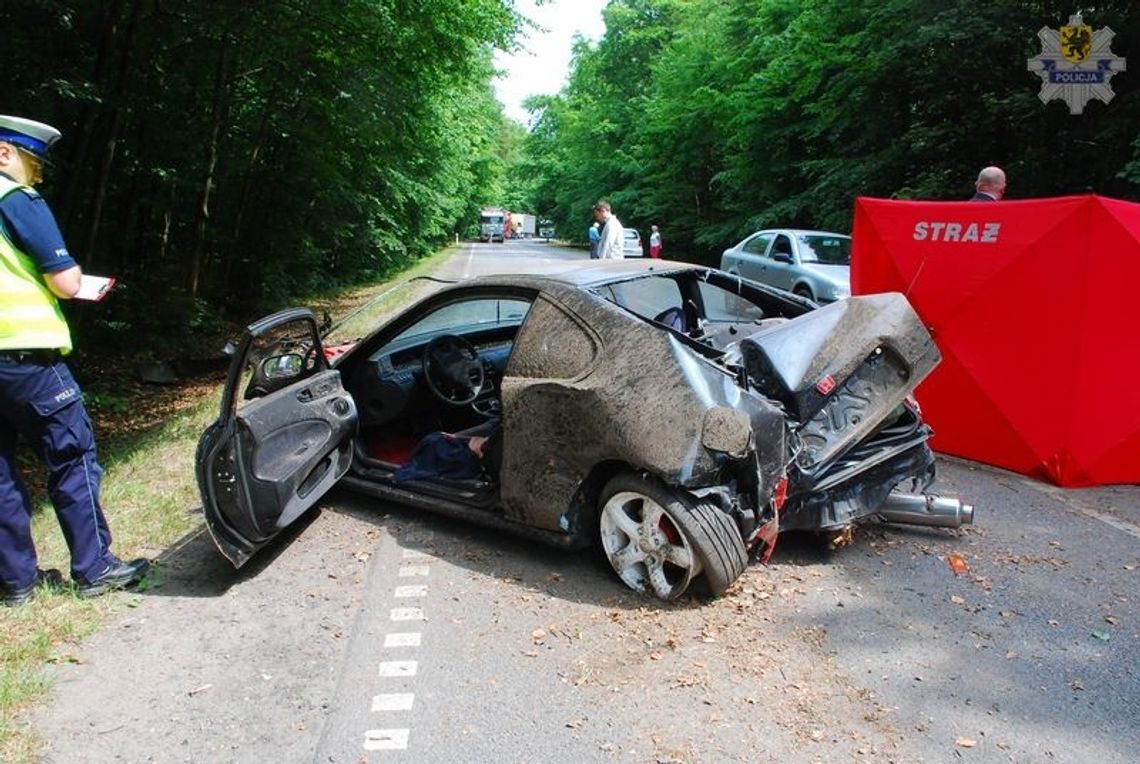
x=677 y=416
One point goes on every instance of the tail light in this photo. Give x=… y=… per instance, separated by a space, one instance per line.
x=780 y=495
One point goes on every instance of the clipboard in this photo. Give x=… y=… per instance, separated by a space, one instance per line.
x=94 y=288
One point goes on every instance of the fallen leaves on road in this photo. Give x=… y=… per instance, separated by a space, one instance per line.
x=965 y=742
x=957 y=563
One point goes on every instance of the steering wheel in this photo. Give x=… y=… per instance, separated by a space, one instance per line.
x=453 y=370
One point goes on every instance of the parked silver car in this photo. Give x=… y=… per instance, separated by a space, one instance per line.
x=813 y=264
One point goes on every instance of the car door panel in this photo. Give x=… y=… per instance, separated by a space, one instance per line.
x=262 y=465
x=781 y=274
x=753 y=258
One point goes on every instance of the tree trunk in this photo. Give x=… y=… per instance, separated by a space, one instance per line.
x=217 y=120
x=80 y=146
x=104 y=178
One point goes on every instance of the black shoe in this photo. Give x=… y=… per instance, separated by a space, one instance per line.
x=22 y=596
x=118 y=576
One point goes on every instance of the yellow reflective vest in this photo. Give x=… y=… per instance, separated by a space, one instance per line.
x=30 y=316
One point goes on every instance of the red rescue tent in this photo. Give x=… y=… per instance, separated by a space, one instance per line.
x=1035 y=306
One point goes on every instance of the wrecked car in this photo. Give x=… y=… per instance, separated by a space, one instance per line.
x=676 y=416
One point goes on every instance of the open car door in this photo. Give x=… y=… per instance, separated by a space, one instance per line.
x=282 y=439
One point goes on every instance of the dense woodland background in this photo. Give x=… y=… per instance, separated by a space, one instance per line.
x=224 y=158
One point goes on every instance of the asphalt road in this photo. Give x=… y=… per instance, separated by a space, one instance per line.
x=372 y=634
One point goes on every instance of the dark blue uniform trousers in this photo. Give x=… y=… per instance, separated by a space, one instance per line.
x=40 y=400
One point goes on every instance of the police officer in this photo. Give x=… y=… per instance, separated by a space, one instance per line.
x=39 y=398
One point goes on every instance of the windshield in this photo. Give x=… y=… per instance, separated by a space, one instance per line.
x=825 y=249
x=468 y=315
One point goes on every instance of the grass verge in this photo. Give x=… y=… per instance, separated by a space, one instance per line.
x=151 y=498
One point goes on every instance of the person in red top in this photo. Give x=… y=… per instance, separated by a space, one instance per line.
x=654 y=242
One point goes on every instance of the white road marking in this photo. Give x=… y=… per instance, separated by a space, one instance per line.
x=414 y=564
x=385 y=740
x=403 y=639
x=399 y=701
x=468 y=262
x=398 y=668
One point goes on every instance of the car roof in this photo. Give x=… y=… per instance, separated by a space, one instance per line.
x=800 y=232
x=579 y=273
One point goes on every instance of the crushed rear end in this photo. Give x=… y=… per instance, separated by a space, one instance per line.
x=844 y=375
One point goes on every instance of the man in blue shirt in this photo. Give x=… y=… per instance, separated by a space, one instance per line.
x=39 y=398
x=595 y=234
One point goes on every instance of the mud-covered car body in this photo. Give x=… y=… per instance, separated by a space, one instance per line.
x=678 y=414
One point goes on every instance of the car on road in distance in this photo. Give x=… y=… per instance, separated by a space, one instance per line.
x=813 y=264
x=675 y=416
x=631 y=245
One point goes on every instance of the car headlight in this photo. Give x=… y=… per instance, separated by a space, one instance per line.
x=839 y=291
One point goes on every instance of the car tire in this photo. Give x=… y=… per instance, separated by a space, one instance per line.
x=803 y=291
x=659 y=540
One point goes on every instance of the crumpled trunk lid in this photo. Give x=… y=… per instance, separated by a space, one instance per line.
x=841 y=371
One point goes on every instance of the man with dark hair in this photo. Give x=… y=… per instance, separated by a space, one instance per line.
x=612 y=243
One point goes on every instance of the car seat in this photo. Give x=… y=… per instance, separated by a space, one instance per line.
x=673 y=317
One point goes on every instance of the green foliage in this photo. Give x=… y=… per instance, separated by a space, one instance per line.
x=240 y=155
x=712 y=119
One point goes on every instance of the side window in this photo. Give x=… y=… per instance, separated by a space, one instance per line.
x=783 y=246
x=724 y=306
x=757 y=245
x=278 y=357
x=648 y=297
x=551 y=345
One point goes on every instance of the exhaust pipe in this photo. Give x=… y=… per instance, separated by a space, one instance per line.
x=926 y=509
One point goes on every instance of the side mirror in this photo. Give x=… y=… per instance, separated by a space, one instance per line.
x=782 y=257
x=285 y=366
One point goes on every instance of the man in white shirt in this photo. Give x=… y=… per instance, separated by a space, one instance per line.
x=613 y=234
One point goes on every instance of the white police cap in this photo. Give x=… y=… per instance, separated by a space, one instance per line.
x=28 y=134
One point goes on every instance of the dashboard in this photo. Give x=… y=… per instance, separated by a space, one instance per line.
x=390 y=385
